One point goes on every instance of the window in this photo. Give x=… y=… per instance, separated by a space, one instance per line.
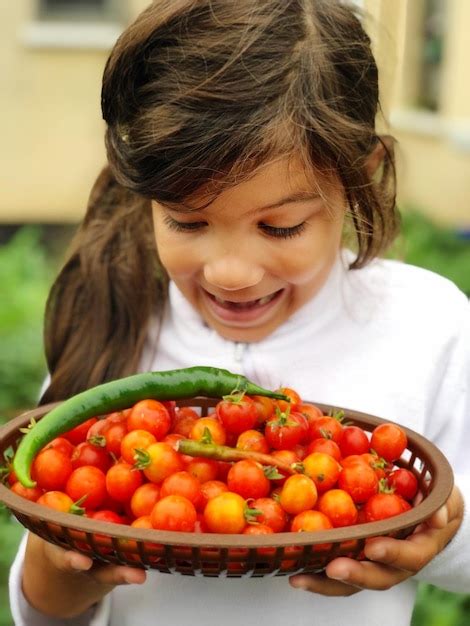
x=81 y=10
x=433 y=32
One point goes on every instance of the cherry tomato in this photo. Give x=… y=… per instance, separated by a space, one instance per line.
x=184 y=421
x=339 y=507
x=294 y=402
x=144 y=498
x=404 y=482
x=260 y=529
x=150 y=415
x=327 y=446
x=248 y=479
x=62 y=445
x=312 y=521
x=57 y=500
x=286 y=430
x=182 y=484
x=213 y=425
x=353 y=441
x=104 y=515
x=122 y=479
x=88 y=454
x=271 y=514
x=310 y=411
x=79 y=433
x=135 y=440
x=298 y=494
x=225 y=513
x=174 y=512
x=51 y=470
x=383 y=506
x=289 y=457
x=210 y=489
x=323 y=469
x=160 y=460
x=327 y=427
x=360 y=481
x=203 y=469
x=252 y=440
x=114 y=433
x=87 y=482
x=30 y=493
x=237 y=413
x=172 y=439
x=388 y=441
x=264 y=409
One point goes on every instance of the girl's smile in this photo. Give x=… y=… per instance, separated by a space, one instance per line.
x=253 y=256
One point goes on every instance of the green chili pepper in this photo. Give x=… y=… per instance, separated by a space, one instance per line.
x=123 y=393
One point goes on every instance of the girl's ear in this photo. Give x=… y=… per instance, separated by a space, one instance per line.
x=375 y=158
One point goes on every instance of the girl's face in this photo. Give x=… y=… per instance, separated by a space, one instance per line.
x=258 y=252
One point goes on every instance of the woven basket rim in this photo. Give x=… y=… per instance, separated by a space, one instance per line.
x=442 y=475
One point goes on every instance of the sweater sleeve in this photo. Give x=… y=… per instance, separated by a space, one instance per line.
x=26 y=615
x=449 y=428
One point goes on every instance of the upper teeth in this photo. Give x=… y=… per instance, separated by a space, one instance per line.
x=260 y=301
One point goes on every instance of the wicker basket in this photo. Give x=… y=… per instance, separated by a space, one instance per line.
x=230 y=555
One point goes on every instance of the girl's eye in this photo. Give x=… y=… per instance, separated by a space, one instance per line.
x=283 y=232
x=183 y=226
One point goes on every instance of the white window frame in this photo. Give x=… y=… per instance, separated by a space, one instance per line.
x=112 y=11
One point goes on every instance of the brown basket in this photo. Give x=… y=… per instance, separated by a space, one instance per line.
x=231 y=555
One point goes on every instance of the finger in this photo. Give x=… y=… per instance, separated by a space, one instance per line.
x=450 y=511
x=365 y=574
x=319 y=583
x=66 y=560
x=113 y=575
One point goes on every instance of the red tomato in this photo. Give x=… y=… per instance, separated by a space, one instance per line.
x=327 y=446
x=105 y=515
x=339 y=507
x=323 y=469
x=312 y=521
x=182 y=484
x=260 y=529
x=404 y=482
x=51 y=470
x=79 y=433
x=184 y=421
x=248 y=479
x=327 y=427
x=87 y=482
x=88 y=454
x=56 y=500
x=213 y=425
x=298 y=494
x=160 y=461
x=237 y=413
x=388 y=441
x=310 y=411
x=360 y=481
x=113 y=434
x=271 y=514
x=353 y=441
x=383 y=506
x=172 y=439
x=252 y=440
x=203 y=469
x=30 y=493
x=225 y=513
x=150 y=415
x=133 y=441
x=144 y=498
x=62 y=445
x=286 y=430
x=122 y=480
x=174 y=512
x=289 y=457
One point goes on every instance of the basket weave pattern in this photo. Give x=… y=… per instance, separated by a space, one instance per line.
x=216 y=555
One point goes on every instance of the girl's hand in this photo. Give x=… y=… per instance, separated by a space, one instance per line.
x=391 y=560
x=62 y=583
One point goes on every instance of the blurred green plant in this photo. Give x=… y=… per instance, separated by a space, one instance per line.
x=25 y=276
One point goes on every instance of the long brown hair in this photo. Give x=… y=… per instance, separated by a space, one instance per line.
x=199 y=92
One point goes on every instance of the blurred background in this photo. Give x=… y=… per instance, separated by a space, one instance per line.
x=53 y=53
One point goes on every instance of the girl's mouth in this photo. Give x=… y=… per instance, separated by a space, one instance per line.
x=246 y=311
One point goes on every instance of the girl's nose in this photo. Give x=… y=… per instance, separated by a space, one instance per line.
x=232 y=273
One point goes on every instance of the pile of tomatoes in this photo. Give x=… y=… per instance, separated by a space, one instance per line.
x=126 y=468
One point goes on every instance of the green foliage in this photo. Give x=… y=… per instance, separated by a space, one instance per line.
x=25 y=278
x=436 y=248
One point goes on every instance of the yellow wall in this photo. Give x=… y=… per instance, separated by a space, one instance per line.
x=52 y=142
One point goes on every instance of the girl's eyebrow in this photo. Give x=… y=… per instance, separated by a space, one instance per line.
x=298 y=196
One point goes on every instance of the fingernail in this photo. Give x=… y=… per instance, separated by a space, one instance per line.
x=442 y=517
x=132 y=579
x=298 y=583
x=339 y=575
x=376 y=553
x=78 y=563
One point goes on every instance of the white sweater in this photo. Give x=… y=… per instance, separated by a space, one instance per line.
x=390 y=339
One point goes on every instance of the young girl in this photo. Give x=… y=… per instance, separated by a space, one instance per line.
x=239 y=224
